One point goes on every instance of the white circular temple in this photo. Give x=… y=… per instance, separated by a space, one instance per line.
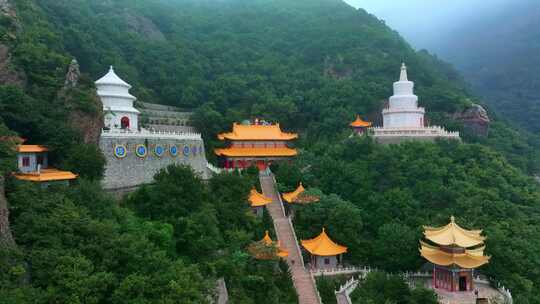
x=117 y=102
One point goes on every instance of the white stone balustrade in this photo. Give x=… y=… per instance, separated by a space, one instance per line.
x=213 y=168
x=434 y=131
x=150 y=134
x=340 y=271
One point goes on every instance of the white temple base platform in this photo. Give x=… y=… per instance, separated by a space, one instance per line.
x=398 y=135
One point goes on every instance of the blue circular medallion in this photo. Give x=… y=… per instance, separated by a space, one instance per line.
x=159 y=150
x=141 y=151
x=194 y=150
x=186 y=151
x=174 y=151
x=120 y=151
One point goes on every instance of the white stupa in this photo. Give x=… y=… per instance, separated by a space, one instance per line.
x=403 y=119
x=117 y=102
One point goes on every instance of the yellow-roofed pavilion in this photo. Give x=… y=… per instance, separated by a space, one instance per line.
x=298 y=196
x=360 y=126
x=324 y=252
x=258 y=201
x=454 y=252
x=291 y=197
x=257 y=143
x=267 y=249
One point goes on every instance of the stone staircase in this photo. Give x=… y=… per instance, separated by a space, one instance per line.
x=303 y=280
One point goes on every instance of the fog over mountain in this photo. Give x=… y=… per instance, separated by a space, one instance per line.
x=426 y=23
x=494 y=44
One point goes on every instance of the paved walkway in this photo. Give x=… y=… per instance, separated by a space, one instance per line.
x=341 y=298
x=305 y=287
x=445 y=297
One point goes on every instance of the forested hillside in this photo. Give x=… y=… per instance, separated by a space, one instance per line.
x=294 y=62
x=498 y=55
x=309 y=64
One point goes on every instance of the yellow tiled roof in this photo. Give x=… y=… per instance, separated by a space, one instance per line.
x=358 y=123
x=257 y=132
x=31 y=148
x=256 y=152
x=267 y=241
x=452 y=234
x=322 y=245
x=468 y=259
x=257 y=199
x=46 y=175
x=290 y=197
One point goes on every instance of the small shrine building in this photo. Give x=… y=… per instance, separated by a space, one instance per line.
x=267 y=249
x=255 y=144
x=33 y=166
x=360 y=126
x=258 y=201
x=324 y=252
x=455 y=253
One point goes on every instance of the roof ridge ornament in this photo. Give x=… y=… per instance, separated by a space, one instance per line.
x=403 y=74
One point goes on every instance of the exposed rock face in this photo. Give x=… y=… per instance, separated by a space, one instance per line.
x=475 y=119
x=7 y=9
x=88 y=123
x=335 y=68
x=7 y=75
x=6 y=238
x=145 y=27
x=73 y=74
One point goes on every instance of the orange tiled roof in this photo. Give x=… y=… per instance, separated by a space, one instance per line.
x=46 y=175
x=31 y=148
x=257 y=199
x=257 y=132
x=473 y=258
x=256 y=152
x=290 y=197
x=267 y=241
x=322 y=245
x=359 y=123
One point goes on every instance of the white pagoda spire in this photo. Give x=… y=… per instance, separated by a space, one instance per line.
x=403 y=74
x=403 y=110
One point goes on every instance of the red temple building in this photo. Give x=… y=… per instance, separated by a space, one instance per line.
x=255 y=144
x=455 y=253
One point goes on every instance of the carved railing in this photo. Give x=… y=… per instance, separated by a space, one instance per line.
x=213 y=168
x=340 y=270
x=150 y=134
x=345 y=290
x=416 y=132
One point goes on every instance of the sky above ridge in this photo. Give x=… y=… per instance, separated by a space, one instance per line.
x=424 y=22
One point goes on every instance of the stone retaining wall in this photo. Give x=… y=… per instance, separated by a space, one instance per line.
x=131 y=170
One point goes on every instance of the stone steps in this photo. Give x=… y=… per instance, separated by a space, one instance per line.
x=303 y=282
